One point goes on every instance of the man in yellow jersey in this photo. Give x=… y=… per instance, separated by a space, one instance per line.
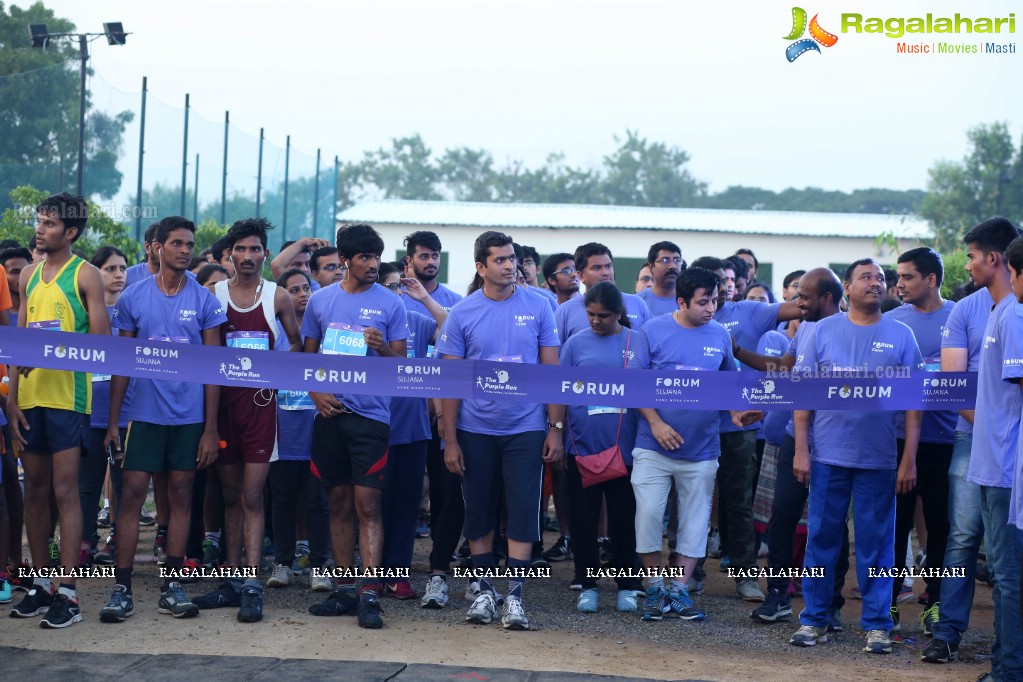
x=48 y=409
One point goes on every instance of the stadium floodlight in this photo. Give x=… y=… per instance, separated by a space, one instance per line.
x=38 y=34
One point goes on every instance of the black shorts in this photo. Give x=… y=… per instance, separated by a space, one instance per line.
x=516 y=461
x=52 y=430
x=350 y=449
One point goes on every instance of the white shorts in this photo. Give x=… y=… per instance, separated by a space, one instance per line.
x=652 y=475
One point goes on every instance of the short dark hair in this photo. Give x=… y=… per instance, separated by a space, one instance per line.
x=70 y=208
x=1014 y=254
x=195 y=262
x=171 y=223
x=530 y=252
x=9 y=244
x=206 y=271
x=747 y=252
x=927 y=262
x=795 y=274
x=662 y=246
x=993 y=234
x=288 y=274
x=550 y=263
x=249 y=227
x=763 y=285
x=386 y=269
x=425 y=238
x=102 y=255
x=358 y=238
x=855 y=264
x=314 y=260
x=692 y=279
x=16 y=252
x=219 y=247
x=891 y=277
x=584 y=252
x=708 y=263
x=490 y=238
x=738 y=266
x=608 y=295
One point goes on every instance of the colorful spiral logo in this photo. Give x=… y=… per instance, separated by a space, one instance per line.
x=818 y=36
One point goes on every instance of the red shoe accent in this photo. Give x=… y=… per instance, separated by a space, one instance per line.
x=400 y=589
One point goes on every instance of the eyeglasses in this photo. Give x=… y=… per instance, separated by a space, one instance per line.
x=332 y=267
x=668 y=260
x=565 y=271
x=394 y=286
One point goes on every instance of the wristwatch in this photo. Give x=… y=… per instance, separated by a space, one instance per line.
x=555 y=425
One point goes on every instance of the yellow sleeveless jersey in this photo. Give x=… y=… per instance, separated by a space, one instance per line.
x=56 y=301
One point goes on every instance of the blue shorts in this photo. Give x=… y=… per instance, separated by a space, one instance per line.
x=512 y=461
x=52 y=430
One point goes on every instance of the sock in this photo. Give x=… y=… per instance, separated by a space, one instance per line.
x=106 y=503
x=215 y=537
x=68 y=591
x=43 y=585
x=122 y=576
x=253 y=583
x=174 y=563
x=161 y=531
x=346 y=584
x=679 y=584
x=369 y=585
x=484 y=561
x=3 y=575
x=302 y=547
x=655 y=583
x=515 y=582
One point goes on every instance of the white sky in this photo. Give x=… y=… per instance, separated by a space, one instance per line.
x=526 y=78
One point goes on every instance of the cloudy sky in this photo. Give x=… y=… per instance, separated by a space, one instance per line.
x=531 y=77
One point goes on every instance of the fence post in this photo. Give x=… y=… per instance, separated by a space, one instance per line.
x=223 y=179
x=259 y=173
x=195 y=197
x=184 y=160
x=287 y=163
x=316 y=194
x=142 y=150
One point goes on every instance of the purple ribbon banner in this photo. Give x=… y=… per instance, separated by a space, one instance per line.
x=427 y=378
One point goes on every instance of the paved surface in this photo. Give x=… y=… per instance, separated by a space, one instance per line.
x=35 y=664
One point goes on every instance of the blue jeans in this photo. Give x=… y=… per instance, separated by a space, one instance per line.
x=1003 y=544
x=873 y=492
x=965 y=531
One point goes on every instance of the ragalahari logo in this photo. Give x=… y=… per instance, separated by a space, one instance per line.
x=802 y=45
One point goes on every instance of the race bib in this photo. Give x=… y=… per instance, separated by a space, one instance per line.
x=100 y=377
x=294 y=400
x=505 y=358
x=431 y=351
x=171 y=339
x=932 y=363
x=344 y=339
x=593 y=410
x=688 y=368
x=250 y=340
x=49 y=325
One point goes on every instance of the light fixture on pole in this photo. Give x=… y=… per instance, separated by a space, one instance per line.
x=40 y=37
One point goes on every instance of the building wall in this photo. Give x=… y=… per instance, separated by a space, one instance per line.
x=785 y=253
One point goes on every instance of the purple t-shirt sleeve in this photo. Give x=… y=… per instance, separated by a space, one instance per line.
x=956 y=331
x=452 y=338
x=213 y=314
x=311 y=328
x=1012 y=345
x=548 y=329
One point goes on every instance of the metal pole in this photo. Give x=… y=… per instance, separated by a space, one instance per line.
x=83 y=53
x=287 y=162
x=142 y=150
x=223 y=179
x=184 y=159
x=316 y=193
x=195 y=197
x=337 y=180
x=259 y=173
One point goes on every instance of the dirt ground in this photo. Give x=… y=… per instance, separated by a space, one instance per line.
x=728 y=646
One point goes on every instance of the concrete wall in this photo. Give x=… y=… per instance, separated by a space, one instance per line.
x=785 y=253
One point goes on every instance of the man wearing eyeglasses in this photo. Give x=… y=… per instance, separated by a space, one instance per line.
x=644 y=280
x=423 y=249
x=325 y=265
x=665 y=262
x=594 y=264
x=560 y=274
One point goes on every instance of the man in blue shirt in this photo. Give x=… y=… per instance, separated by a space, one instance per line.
x=423 y=254
x=594 y=264
x=665 y=262
x=561 y=274
x=920 y=273
x=854 y=457
x=490 y=442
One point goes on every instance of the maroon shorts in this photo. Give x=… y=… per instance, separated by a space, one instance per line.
x=248 y=426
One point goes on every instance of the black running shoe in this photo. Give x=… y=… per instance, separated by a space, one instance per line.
x=940 y=651
x=368 y=611
x=222 y=597
x=341 y=602
x=62 y=613
x=251 y=610
x=35 y=603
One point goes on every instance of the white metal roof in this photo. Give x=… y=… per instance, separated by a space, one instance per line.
x=501 y=215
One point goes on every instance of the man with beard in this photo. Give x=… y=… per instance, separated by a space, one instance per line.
x=424 y=258
x=665 y=263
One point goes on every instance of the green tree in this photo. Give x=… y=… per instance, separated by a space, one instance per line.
x=987 y=182
x=39 y=90
x=405 y=171
x=642 y=173
x=468 y=174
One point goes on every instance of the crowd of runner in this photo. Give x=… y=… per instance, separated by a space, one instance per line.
x=337 y=487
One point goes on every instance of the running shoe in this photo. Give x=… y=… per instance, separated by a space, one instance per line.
x=878 y=642
x=436 y=594
x=54 y=551
x=400 y=589
x=174 y=602
x=483 y=610
x=776 y=607
x=107 y=555
x=341 y=602
x=559 y=551
x=940 y=651
x=224 y=596
x=146 y=519
x=6 y=592
x=320 y=583
x=929 y=618
x=210 y=552
x=514 y=617
x=282 y=576
x=63 y=613
x=680 y=605
x=119 y=606
x=368 y=611
x=251 y=609
x=35 y=603
x=808 y=635
x=587 y=602
x=653 y=609
x=160 y=550
x=103 y=518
